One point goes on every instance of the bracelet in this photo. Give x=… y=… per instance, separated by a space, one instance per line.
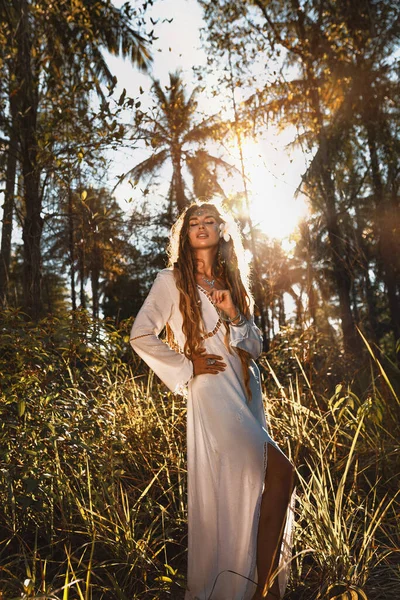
x=229 y=320
x=242 y=321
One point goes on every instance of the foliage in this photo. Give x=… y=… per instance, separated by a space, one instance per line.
x=329 y=73
x=94 y=238
x=54 y=61
x=93 y=480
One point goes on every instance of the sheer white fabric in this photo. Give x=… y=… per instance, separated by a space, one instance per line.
x=227 y=446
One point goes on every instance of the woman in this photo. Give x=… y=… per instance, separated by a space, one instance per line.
x=237 y=499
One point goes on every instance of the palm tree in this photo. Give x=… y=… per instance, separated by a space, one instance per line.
x=99 y=243
x=178 y=138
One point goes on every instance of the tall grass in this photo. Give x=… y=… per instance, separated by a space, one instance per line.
x=93 y=473
x=346 y=452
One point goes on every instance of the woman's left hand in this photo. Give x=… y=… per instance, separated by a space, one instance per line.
x=222 y=299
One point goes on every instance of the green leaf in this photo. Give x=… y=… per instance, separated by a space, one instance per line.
x=21 y=408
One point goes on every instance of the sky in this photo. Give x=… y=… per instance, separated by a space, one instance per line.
x=273 y=171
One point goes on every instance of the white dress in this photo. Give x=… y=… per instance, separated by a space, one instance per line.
x=227 y=441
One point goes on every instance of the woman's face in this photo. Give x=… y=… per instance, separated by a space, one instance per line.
x=203 y=231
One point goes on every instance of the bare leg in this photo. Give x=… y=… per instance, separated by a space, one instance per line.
x=274 y=504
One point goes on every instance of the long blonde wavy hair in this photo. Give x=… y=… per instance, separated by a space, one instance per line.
x=229 y=266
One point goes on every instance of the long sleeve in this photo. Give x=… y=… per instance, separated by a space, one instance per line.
x=247 y=337
x=173 y=368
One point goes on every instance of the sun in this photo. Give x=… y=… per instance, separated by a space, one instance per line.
x=272 y=177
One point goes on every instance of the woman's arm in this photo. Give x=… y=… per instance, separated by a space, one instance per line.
x=246 y=334
x=247 y=337
x=173 y=368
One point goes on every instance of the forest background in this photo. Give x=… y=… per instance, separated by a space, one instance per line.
x=92 y=448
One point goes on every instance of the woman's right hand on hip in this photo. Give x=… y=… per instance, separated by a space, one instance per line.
x=207 y=363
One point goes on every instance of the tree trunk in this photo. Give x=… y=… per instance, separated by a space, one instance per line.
x=27 y=116
x=386 y=221
x=82 y=234
x=71 y=244
x=340 y=268
x=371 y=304
x=327 y=187
x=267 y=328
x=8 y=206
x=31 y=235
x=260 y=302
x=299 y=305
x=391 y=249
x=179 y=188
x=367 y=284
x=312 y=302
x=81 y=258
x=81 y=262
x=281 y=310
x=94 y=278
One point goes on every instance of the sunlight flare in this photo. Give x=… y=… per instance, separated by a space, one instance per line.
x=272 y=178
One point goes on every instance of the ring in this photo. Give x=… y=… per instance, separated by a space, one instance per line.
x=211 y=361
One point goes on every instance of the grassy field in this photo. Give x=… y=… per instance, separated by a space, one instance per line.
x=93 y=474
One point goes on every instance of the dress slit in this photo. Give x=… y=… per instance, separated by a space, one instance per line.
x=253 y=570
x=285 y=550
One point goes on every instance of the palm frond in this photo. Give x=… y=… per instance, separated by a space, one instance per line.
x=157 y=135
x=119 y=38
x=135 y=48
x=216 y=161
x=162 y=100
x=149 y=166
x=205 y=179
x=205 y=131
x=192 y=98
x=99 y=66
x=176 y=88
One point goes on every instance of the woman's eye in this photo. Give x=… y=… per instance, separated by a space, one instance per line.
x=210 y=222
x=193 y=224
